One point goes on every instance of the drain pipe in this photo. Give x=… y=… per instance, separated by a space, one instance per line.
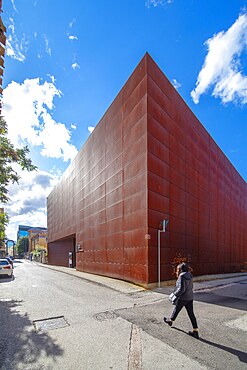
x=164 y=224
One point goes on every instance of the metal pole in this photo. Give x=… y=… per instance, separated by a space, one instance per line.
x=159 y=231
x=164 y=225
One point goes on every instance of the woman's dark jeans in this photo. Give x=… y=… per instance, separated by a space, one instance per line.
x=189 y=308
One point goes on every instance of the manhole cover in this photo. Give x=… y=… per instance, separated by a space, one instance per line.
x=50 y=324
x=107 y=315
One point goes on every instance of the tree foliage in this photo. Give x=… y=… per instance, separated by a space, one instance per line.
x=8 y=156
x=22 y=245
x=4 y=219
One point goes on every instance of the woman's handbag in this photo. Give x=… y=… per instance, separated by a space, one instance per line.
x=173 y=298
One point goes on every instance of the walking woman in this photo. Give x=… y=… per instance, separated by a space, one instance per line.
x=183 y=294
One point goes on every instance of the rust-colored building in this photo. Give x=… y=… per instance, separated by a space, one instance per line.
x=149 y=159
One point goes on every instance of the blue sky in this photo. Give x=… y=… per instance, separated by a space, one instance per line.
x=67 y=60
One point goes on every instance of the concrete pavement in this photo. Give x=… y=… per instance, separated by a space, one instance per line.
x=221 y=286
x=200 y=282
x=117 y=325
x=119 y=285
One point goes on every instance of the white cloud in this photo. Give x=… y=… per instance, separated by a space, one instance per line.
x=14 y=47
x=47 y=47
x=27 y=109
x=53 y=80
x=14 y=7
x=176 y=84
x=75 y=66
x=155 y=3
x=12 y=50
x=37 y=219
x=73 y=126
x=52 y=130
x=90 y=129
x=27 y=205
x=71 y=37
x=222 y=66
x=72 y=23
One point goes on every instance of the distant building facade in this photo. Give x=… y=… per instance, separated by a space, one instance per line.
x=29 y=232
x=149 y=159
x=23 y=231
x=37 y=239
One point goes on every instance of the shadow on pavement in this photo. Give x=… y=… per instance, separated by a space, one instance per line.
x=6 y=279
x=241 y=355
x=20 y=344
x=213 y=298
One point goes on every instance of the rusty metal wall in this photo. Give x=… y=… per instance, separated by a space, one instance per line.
x=103 y=196
x=149 y=159
x=192 y=183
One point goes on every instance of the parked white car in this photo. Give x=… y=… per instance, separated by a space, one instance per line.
x=5 y=268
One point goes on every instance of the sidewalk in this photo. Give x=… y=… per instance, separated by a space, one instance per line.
x=115 y=284
x=205 y=282
x=122 y=328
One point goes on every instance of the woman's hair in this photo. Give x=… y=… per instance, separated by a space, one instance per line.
x=183 y=267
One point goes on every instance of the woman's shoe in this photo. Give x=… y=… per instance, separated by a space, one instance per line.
x=169 y=322
x=194 y=334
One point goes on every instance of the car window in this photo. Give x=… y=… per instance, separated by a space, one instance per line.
x=4 y=263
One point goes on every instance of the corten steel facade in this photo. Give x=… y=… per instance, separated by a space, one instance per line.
x=149 y=159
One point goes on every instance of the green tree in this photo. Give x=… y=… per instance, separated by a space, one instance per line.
x=4 y=219
x=22 y=245
x=8 y=156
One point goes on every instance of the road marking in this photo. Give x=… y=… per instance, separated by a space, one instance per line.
x=239 y=323
x=135 y=349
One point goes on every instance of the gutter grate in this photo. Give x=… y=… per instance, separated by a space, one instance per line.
x=50 y=323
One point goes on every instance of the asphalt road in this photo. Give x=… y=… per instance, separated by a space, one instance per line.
x=51 y=320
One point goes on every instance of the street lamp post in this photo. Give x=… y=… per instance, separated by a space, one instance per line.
x=164 y=225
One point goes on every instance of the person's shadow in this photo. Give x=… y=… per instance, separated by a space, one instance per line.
x=241 y=355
